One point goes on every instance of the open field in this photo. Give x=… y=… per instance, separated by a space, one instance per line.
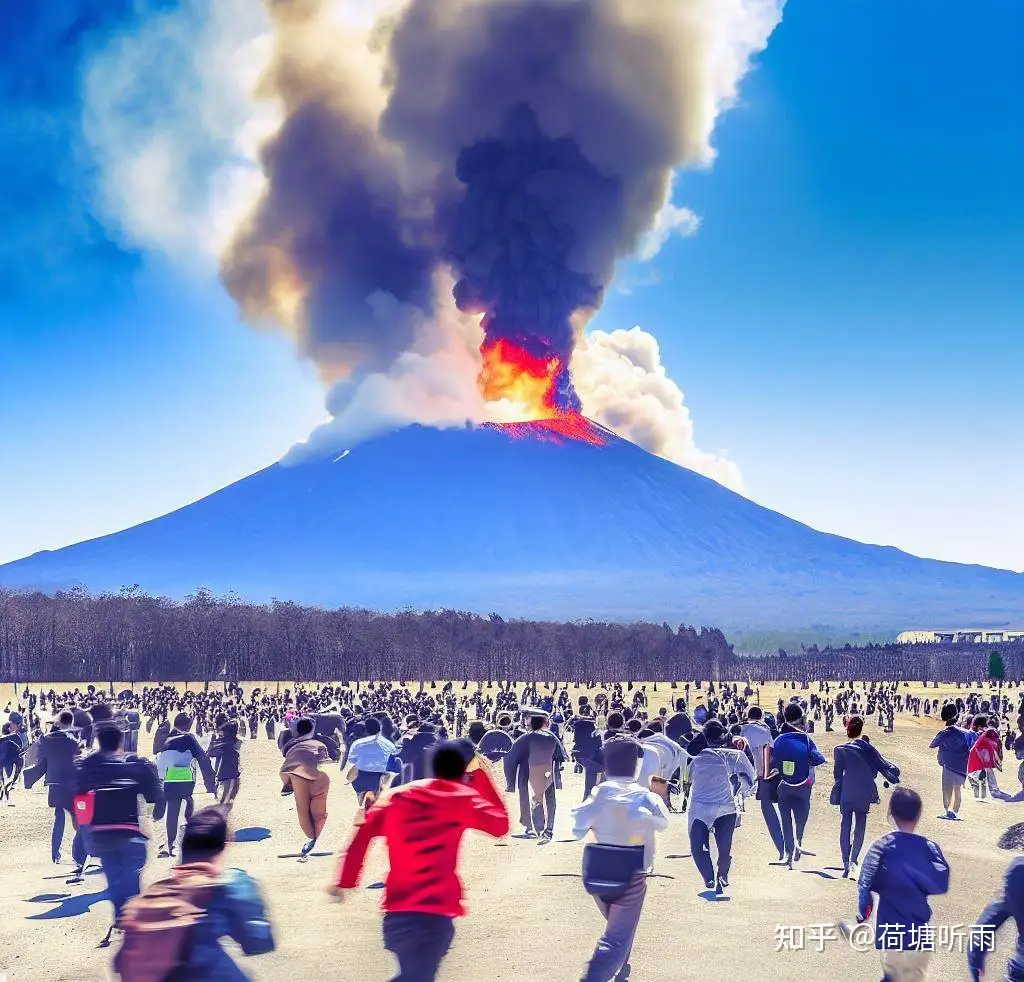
x=529 y=918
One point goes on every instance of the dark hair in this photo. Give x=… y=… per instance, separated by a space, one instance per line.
x=206 y=835
x=755 y=713
x=793 y=713
x=854 y=727
x=616 y=721
x=949 y=712
x=109 y=738
x=303 y=726
x=229 y=729
x=182 y=722
x=537 y=722
x=66 y=718
x=449 y=763
x=905 y=805
x=372 y=726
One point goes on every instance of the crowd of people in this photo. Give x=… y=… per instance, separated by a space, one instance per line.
x=425 y=764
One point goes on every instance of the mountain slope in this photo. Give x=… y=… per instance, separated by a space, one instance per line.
x=526 y=521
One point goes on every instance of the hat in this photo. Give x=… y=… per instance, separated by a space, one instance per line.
x=535 y=711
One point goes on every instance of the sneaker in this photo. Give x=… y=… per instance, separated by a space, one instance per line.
x=710 y=884
x=308 y=848
x=950 y=814
x=623 y=975
x=76 y=876
x=163 y=852
x=722 y=885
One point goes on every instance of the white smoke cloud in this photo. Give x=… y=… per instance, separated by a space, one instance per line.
x=672 y=219
x=433 y=383
x=172 y=127
x=623 y=385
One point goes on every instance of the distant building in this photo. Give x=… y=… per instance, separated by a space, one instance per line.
x=973 y=635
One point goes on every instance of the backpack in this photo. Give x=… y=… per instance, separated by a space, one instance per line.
x=157 y=923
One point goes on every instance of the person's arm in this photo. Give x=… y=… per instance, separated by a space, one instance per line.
x=814 y=755
x=933 y=877
x=865 y=882
x=38 y=770
x=355 y=855
x=838 y=766
x=584 y=815
x=247 y=915
x=992 y=919
x=488 y=813
x=936 y=740
x=205 y=767
x=511 y=762
x=149 y=782
x=657 y=816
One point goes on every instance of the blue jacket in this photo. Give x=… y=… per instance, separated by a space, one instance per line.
x=903 y=869
x=236 y=912
x=954 y=746
x=1010 y=903
x=799 y=750
x=118 y=782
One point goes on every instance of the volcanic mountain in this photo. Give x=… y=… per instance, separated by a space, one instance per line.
x=547 y=519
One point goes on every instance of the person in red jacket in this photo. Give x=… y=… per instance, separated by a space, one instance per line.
x=423 y=824
x=986 y=756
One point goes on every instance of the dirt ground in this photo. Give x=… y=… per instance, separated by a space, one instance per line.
x=529 y=918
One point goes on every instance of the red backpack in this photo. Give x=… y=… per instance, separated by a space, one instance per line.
x=157 y=923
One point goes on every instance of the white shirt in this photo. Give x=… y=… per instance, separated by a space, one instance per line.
x=712 y=794
x=621 y=813
x=758 y=736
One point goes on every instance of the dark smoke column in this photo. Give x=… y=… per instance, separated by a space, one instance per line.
x=527 y=200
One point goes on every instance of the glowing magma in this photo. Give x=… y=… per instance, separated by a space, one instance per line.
x=529 y=385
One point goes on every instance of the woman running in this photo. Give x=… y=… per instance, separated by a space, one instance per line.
x=176 y=764
x=301 y=776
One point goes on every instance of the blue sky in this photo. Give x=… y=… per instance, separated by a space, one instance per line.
x=847 y=323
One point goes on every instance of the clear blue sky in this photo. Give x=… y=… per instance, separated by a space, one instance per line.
x=848 y=324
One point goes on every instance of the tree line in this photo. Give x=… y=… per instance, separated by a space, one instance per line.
x=76 y=636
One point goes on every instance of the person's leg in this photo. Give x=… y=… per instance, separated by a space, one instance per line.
x=318 y=803
x=57 y=835
x=786 y=817
x=947 y=790
x=905 y=966
x=589 y=780
x=700 y=836
x=525 y=808
x=174 y=802
x=958 y=790
x=859 y=829
x=770 y=813
x=301 y=788
x=79 y=849
x=801 y=812
x=845 y=835
x=419 y=942
x=725 y=828
x=611 y=956
x=550 y=806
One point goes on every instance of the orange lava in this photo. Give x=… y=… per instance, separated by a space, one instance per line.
x=513 y=374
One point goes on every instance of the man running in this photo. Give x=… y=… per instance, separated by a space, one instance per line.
x=423 y=824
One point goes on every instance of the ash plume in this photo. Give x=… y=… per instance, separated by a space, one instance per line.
x=525 y=144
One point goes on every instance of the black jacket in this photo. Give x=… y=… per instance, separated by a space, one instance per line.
x=55 y=761
x=117 y=782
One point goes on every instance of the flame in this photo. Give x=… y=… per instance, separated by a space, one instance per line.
x=525 y=383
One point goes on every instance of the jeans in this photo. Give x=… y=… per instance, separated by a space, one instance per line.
x=700 y=846
x=771 y=819
x=622 y=916
x=78 y=853
x=851 y=835
x=419 y=942
x=176 y=794
x=795 y=809
x=122 y=858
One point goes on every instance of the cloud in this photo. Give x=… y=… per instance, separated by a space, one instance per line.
x=623 y=385
x=671 y=220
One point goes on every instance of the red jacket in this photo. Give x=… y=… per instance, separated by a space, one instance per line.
x=986 y=753
x=423 y=824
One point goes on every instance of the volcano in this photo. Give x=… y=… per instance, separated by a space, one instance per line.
x=555 y=519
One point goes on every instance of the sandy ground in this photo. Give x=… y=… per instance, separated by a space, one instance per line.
x=529 y=916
